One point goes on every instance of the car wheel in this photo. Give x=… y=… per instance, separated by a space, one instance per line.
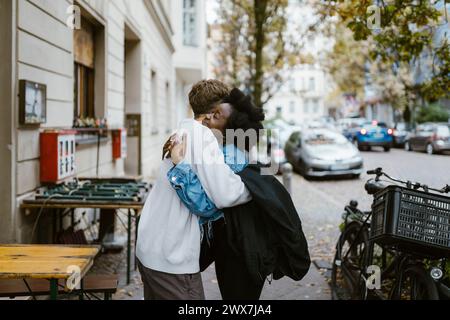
x=430 y=149
x=407 y=146
x=305 y=174
x=301 y=168
x=387 y=149
x=360 y=147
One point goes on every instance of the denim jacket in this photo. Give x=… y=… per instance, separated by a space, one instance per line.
x=189 y=188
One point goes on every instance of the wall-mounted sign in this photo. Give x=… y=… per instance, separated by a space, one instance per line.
x=57 y=161
x=133 y=125
x=119 y=143
x=32 y=103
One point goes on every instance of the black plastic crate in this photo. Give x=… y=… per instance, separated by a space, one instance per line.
x=414 y=221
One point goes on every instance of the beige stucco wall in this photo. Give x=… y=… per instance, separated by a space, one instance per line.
x=44 y=55
x=7 y=21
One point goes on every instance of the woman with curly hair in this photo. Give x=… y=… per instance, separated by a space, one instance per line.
x=252 y=241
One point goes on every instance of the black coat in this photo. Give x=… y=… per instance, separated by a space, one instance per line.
x=267 y=231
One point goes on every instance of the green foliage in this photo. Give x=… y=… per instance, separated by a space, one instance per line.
x=346 y=62
x=256 y=49
x=439 y=85
x=432 y=113
x=407 y=115
x=406 y=31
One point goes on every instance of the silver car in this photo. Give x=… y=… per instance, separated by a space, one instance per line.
x=429 y=137
x=321 y=152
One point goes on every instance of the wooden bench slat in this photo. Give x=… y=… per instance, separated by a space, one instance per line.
x=101 y=283
x=39 y=287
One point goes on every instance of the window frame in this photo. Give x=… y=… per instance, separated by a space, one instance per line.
x=292 y=106
x=84 y=92
x=312 y=84
x=190 y=27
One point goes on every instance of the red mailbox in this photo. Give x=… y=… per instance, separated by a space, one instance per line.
x=57 y=155
x=119 y=143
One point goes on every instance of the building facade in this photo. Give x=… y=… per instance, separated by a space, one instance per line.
x=190 y=40
x=114 y=60
x=302 y=98
x=422 y=67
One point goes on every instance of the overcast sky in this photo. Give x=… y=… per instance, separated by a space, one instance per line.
x=211 y=6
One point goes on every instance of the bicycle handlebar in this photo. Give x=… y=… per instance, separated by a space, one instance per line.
x=410 y=185
x=375 y=172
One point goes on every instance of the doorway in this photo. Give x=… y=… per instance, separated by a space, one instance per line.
x=133 y=101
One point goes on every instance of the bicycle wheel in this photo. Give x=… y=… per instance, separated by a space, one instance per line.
x=349 y=262
x=415 y=284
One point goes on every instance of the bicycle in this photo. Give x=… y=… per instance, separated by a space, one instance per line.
x=409 y=267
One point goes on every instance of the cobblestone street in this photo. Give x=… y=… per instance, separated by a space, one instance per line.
x=110 y=115
x=320 y=205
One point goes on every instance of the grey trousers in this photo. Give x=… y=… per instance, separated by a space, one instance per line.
x=165 y=286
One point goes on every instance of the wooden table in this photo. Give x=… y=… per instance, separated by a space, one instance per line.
x=131 y=207
x=51 y=262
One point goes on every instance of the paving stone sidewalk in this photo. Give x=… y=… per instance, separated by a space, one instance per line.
x=314 y=286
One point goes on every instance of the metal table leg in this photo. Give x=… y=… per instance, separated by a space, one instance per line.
x=60 y=220
x=72 y=218
x=53 y=289
x=53 y=213
x=82 y=289
x=129 y=247
x=136 y=224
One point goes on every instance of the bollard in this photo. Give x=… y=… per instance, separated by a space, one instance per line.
x=287 y=176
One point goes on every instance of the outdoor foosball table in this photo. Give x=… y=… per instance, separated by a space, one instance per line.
x=107 y=194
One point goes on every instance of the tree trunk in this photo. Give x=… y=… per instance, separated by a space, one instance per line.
x=260 y=8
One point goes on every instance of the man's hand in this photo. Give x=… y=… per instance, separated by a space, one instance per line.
x=178 y=150
x=168 y=147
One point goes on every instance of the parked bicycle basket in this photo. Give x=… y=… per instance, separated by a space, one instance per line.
x=412 y=220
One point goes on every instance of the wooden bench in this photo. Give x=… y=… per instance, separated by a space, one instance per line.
x=105 y=284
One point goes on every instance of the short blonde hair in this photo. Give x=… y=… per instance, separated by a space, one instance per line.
x=206 y=94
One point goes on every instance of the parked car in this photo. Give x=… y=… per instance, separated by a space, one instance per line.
x=322 y=152
x=401 y=133
x=353 y=127
x=326 y=122
x=282 y=129
x=430 y=137
x=374 y=134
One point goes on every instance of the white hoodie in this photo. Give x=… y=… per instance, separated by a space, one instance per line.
x=168 y=234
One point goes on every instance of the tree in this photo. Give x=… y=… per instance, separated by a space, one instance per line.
x=432 y=113
x=226 y=36
x=349 y=63
x=405 y=37
x=346 y=62
x=255 y=46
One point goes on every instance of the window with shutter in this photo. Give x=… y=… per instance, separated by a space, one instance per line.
x=84 y=71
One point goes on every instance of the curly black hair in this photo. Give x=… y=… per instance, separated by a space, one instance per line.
x=245 y=115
